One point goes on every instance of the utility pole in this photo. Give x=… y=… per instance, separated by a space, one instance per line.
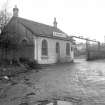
x=87 y=48
x=98 y=46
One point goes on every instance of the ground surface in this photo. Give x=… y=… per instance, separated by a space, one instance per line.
x=82 y=82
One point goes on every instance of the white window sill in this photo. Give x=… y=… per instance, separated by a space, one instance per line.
x=68 y=56
x=44 y=57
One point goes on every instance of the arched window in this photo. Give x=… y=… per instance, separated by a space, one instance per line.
x=44 y=47
x=72 y=48
x=24 y=42
x=67 y=49
x=57 y=48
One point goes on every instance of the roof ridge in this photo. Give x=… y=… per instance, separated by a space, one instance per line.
x=34 y=21
x=39 y=23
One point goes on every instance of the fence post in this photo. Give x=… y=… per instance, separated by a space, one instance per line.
x=98 y=46
x=87 y=49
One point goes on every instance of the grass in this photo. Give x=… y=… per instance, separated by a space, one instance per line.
x=17 y=67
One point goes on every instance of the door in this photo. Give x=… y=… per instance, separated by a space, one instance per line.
x=58 y=52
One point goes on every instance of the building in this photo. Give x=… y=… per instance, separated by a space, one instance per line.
x=43 y=43
x=80 y=49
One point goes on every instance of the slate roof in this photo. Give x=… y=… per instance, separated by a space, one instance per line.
x=38 y=28
x=35 y=28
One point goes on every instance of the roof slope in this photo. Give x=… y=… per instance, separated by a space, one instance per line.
x=35 y=27
x=38 y=28
x=13 y=29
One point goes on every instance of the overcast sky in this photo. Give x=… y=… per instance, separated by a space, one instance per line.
x=75 y=17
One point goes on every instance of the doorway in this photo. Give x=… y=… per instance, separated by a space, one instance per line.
x=58 y=52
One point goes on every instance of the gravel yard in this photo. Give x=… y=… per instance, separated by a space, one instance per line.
x=81 y=82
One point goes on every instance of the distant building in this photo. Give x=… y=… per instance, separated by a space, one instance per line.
x=43 y=43
x=81 y=46
x=80 y=49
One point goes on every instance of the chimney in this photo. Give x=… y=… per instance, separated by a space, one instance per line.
x=15 y=11
x=55 y=23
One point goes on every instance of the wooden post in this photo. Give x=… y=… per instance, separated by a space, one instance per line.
x=87 y=44
x=87 y=49
x=98 y=46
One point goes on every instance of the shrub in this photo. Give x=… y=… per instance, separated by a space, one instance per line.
x=30 y=64
x=18 y=66
x=12 y=71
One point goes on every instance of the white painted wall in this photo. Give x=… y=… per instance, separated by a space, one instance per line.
x=52 y=56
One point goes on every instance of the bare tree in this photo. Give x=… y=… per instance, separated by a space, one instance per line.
x=4 y=18
x=4 y=14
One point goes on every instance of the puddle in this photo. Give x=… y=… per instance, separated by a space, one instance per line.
x=62 y=103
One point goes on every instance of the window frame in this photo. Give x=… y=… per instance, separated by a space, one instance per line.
x=44 y=47
x=57 y=47
x=67 y=49
x=72 y=48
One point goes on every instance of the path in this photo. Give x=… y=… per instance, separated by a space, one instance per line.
x=82 y=81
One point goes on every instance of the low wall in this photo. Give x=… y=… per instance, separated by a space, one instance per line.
x=95 y=54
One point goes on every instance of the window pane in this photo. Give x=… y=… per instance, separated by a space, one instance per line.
x=44 y=47
x=57 y=48
x=67 y=49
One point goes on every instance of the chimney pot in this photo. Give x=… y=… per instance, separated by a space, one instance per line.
x=15 y=11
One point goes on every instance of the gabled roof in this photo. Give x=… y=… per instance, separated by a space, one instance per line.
x=37 y=29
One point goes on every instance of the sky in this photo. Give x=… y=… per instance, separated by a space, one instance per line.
x=75 y=17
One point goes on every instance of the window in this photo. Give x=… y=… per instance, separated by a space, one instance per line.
x=67 y=49
x=72 y=48
x=57 y=48
x=44 y=47
x=24 y=42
